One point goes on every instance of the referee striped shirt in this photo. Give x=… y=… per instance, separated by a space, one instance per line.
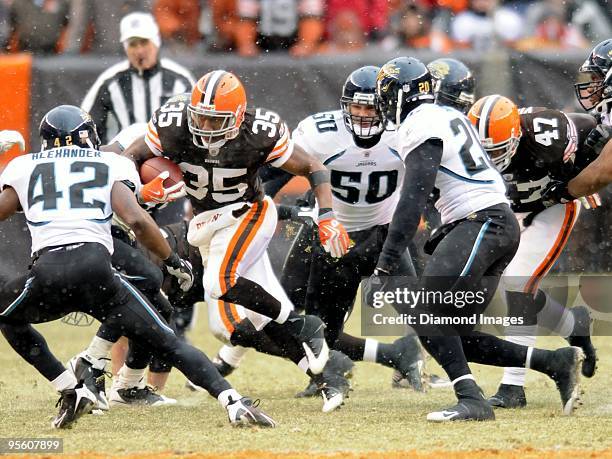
x=130 y=96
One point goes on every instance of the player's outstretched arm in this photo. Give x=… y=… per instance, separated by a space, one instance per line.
x=9 y=203
x=421 y=168
x=147 y=232
x=595 y=176
x=333 y=236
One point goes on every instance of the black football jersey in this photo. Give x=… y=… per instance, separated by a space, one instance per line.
x=216 y=178
x=545 y=152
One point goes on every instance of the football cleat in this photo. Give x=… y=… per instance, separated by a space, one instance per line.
x=334 y=389
x=567 y=364
x=224 y=368
x=581 y=337
x=338 y=364
x=508 y=396
x=466 y=409
x=93 y=378
x=430 y=381
x=73 y=404
x=312 y=337
x=410 y=363
x=245 y=412
x=137 y=396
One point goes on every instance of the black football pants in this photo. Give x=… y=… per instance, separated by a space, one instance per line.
x=80 y=277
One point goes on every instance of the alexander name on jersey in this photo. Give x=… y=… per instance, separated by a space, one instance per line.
x=66 y=153
x=216 y=178
x=545 y=152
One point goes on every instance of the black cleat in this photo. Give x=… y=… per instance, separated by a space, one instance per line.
x=581 y=337
x=73 y=404
x=312 y=337
x=508 y=396
x=466 y=409
x=138 y=396
x=334 y=389
x=224 y=368
x=566 y=364
x=93 y=378
x=245 y=412
x=409 y=363
x=338 y=364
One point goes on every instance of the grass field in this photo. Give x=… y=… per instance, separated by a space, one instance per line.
x=375 y=418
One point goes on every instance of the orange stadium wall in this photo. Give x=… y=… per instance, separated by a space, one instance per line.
x=15 y=74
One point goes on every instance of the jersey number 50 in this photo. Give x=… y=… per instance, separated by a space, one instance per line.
x=341 y=189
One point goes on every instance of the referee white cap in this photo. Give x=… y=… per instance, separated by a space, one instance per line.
x=141 y=25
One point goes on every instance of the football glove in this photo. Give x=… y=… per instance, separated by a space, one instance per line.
x=181 y=269
x=375 y=283
x=333 y=236
x=9 y=138
x=599 y=136
x=591 y=202
x=556 y=193
x=155 y=192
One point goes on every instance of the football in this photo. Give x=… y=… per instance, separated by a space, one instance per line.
x=151 y=168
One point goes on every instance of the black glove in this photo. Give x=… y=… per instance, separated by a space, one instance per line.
x=181 y=269
x=556 y=193
x=599 y=136
x=376 y=283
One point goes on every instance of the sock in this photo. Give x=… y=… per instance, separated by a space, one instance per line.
x=448 y=352
x=556 y=317
x=97 y=353
x=129 y=377
x=524 y=336
x=232 y=354
x=386 y=354
x=355 y=348
x=540 y=360
x=64 y=381
x=228 y=395
x=370 y=352
x=254 y=297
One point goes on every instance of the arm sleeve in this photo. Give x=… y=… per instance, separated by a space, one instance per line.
x=421 y=169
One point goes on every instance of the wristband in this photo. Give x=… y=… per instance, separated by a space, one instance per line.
x=317 y=178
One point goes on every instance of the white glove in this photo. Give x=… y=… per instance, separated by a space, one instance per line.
x=9 y=138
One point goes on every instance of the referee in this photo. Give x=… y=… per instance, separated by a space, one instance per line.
x=130 y=91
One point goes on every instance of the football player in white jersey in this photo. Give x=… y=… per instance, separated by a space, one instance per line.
x=594 y=92
x=69 y=192
x=478 y=238
x=365 y=173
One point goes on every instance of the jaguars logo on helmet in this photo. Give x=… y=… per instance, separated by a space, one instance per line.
x=402 y=84
x=453 y=83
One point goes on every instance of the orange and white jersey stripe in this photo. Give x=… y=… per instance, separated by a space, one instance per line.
x=152 y=140
x=282 y=149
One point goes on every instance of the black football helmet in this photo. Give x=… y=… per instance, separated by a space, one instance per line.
x=594 y=84
x=68 y=125
x=453 y=83
x=360 y=89
x=402 y=85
